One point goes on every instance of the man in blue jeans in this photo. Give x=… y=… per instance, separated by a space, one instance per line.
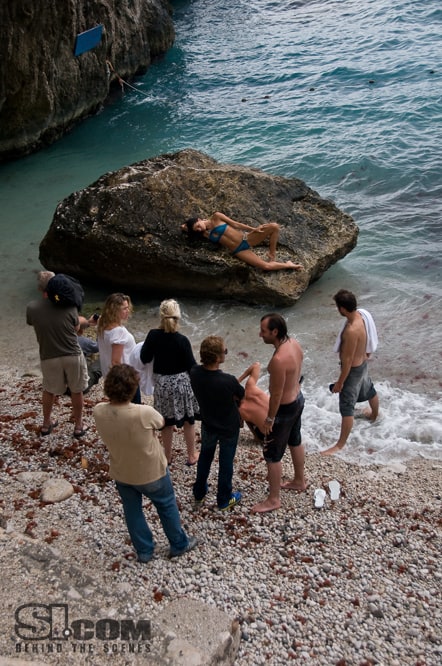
x=138 y=463
x=218 y=395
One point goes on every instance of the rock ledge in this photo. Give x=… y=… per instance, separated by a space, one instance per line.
x=125 y=229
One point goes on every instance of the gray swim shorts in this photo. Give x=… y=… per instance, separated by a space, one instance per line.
x=358 y=387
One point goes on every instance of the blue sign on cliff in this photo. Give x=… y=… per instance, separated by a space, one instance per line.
x=85 y=41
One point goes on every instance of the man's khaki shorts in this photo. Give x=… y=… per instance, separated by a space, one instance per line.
x=65 y=372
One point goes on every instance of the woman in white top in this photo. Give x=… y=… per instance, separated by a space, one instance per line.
x=115 y=342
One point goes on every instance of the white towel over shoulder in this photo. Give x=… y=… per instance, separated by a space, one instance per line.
x=145 y=370
x=370 y=327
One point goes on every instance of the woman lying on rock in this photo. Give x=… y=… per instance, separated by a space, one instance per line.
x=240 y=238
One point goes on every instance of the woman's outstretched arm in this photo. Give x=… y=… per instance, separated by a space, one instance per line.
x=220 y=217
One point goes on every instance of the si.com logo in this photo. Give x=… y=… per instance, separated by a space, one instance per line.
x=39 y=622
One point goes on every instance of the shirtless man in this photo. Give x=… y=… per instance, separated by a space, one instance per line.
x=282 y=425
x=353 y=385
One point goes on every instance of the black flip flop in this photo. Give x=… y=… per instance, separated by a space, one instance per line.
x=44 y=432
x=78 y=434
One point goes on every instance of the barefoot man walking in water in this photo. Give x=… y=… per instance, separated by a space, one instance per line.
x=282 y=425
x=353 y=385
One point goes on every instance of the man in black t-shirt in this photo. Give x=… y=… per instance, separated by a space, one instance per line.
x=218 y=395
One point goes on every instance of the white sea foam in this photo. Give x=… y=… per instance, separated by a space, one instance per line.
x=409 y=425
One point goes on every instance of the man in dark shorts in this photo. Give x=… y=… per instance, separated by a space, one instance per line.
x=282 y=425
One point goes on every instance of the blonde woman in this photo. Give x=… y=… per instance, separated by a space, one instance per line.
x=173 y=358
x=115 y=342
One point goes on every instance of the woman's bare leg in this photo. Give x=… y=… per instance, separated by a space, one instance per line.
x=273 y=240
x=264 y=231
x=189 y=438
x=167 y=438
x=249 y=257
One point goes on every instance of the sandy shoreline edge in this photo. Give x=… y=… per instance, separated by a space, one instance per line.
x=293 y=578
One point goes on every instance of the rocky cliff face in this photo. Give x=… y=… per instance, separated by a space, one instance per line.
x=125 y=229
x=44 y=87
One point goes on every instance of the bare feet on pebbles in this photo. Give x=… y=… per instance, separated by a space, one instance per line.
x=265 y=506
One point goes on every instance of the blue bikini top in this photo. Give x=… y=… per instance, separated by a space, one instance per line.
x=216 y=233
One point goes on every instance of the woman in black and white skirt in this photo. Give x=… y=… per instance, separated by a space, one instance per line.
x=173 y=396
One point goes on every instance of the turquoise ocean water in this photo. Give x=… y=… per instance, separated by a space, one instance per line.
x=345 y=95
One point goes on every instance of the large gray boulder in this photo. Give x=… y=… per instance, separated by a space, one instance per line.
x=44 y=88
x=125 y=229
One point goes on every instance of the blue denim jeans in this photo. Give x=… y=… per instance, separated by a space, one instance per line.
x=137 y=397
x=162 y=496
x=227 y=450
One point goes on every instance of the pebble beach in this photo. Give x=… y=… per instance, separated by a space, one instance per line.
x=345 y=96
x=356 y=582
